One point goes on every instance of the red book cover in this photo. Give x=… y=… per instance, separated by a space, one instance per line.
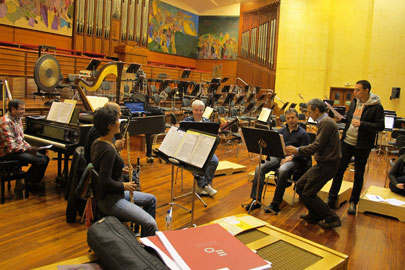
x=210 y=247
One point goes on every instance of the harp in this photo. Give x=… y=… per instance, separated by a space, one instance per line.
x=108 y=69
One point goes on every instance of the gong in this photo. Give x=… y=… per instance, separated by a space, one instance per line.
x=47 y=72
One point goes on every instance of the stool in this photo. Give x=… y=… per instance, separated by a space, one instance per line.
x=11 y=170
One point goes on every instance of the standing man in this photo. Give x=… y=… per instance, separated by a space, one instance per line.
x=204 y=182
x=14 y=147
x=365 y=119
x=294 y=135
x=326 y=149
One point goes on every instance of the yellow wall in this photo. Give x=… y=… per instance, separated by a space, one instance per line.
x=324 y=43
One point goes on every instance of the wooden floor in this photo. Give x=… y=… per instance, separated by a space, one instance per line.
x=34 y=232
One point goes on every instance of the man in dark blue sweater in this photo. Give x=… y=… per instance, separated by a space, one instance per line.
x=294 y=135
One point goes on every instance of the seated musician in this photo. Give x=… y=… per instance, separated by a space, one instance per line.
x=14 y=147
x=204 y=182
x=295 y=135
x=115 y=192
x=397 y=176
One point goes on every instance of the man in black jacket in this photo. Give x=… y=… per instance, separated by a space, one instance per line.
x=363 y=120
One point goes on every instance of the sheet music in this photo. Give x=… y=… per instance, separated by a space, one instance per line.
x=171 y=141
x=264 y=115
x=60 y=112
x=202 y=150
x=337 y=115
x=187 y=146
x=207 y=112
x=97 y=102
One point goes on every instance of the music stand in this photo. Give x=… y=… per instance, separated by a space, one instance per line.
x=239 y=99
x=196 y=89
x=285 y=105
x=206 y=127
x=93 y=65
x=154 y=124
x=226 y=88
x=224 y=79
x=229 y=97
x=292 y=106
x=133 y=68
x=248 y=108
x=262 y=142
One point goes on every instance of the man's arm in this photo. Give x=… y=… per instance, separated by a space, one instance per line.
x=322 y=137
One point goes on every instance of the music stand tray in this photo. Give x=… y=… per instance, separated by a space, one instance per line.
x=207 y=127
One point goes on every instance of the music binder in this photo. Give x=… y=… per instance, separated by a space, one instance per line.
x=209 y=247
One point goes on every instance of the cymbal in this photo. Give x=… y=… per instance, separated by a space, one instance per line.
x=47 y=72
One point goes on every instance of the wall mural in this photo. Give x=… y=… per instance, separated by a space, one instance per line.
x=54 y=16
x=172 y=30
x=218 y=37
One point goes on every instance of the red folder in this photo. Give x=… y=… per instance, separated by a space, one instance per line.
x=210 y=247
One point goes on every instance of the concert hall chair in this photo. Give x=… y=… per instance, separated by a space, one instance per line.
x=153 y=89
x=11 y=170
x=394 y=136
x=186 y=105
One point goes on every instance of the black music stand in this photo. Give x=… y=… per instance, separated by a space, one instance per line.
x=285 y=105
x=154 y=124
x=226 y=89
x=185 y=74
x=262 y=142
x=191 y=168
x=206 y=127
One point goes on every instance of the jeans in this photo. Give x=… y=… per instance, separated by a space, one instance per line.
x=133 y=212
x=207 y=178
x=311 y=183
x=360 y=161
x=39 y=164
x=284 y=173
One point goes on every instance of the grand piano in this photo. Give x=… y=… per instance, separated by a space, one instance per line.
x=63 y=137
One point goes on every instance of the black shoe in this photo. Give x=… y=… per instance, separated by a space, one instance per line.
x=273 y=208
x=352 y=209
x=331 y=203
x=254 y=206
x=310 y=219
x=330 y=223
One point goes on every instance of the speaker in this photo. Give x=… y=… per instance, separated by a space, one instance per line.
x=395 y=92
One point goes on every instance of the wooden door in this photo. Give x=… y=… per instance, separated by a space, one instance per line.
x=341 y=96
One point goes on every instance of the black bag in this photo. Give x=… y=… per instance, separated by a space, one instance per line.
x=117 y=248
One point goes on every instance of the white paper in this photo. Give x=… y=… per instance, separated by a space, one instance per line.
x=207 y=112
x=96 y=101
x=60 y=112
x=166 y=259
x=395 y=202
x=184 y=152
x=375 y=198
x=202 y=150
x=172 y=251
x=264 y=115
x=171 y=141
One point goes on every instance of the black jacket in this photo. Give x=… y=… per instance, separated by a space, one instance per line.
x=371 y=122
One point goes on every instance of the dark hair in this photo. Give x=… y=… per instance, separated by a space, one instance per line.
x=103 y=117
x=15 y=103
x=291 y=110
x=317 y=103
x=365 y=84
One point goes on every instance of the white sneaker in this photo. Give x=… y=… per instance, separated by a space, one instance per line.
x=210 y=190
x=201 y=191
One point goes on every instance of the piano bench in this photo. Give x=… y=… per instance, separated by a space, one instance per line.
x=11 y=170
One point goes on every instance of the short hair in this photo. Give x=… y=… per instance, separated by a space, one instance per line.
x=113 y=106
x=365 y=84
x=103 y=117
x=197 y=103
x=291 y=111
x=15 y=103
x=317 y=103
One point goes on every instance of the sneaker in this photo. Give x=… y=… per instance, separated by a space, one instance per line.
x=210 y=190
x=254 y=206
x=310 y=219
x=273 y=208
x=331 y=203
x=201 y=191
x=330 y=223
x=352 y=209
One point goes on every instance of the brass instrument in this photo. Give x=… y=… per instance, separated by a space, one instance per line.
x=108 y=69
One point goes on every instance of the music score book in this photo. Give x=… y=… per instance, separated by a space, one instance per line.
x=61 y=111
x=190 y=147
x=96 y=102
x=208 y=247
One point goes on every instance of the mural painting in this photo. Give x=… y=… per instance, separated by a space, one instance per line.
x=172 y=30
x=54 y=16
x=218 y=37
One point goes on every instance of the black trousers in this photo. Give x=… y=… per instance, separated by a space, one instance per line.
x=311 y=183
x=360 y=161
x=39 y=164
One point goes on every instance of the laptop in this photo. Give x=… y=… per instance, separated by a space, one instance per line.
x=135 y=107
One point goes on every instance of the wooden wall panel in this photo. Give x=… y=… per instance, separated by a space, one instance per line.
x=169 y=59
x=229 y=68
x=256 y=74
x=25 y=36
x=7 y=33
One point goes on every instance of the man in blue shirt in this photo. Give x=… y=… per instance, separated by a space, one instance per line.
x=294 y=135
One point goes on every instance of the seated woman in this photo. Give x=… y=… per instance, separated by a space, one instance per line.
x=115 y=192
x=397 y=176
